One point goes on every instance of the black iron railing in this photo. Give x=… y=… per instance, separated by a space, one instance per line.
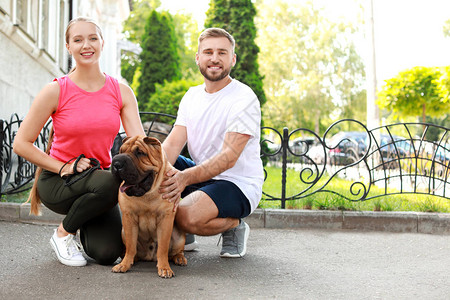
x=397 y=158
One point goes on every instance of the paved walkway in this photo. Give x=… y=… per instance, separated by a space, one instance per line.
x=280 y=264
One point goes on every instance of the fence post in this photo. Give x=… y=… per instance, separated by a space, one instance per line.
x=284 y=147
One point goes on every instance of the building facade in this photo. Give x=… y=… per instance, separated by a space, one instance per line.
x=32 y=46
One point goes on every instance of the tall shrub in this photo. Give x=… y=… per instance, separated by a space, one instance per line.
x=159 y=56
x=237 y=17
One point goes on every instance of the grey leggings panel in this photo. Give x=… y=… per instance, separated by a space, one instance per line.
x=91 y=206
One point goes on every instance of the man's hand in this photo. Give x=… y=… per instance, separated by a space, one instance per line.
x=173 y=185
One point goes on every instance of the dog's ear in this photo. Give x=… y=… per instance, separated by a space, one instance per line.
x=152 y=141
x=126 y=139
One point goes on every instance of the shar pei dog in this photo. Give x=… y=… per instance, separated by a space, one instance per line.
x=148 y=232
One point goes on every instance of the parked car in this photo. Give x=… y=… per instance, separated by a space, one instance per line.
x=347 y=147
x=300 y=149
x=393 y=150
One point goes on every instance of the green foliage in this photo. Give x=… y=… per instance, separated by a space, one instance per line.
x=218 y=15
x=159 y=56
x=237 y=17
x=313 y=73
x=419 y=91
x=129 y=63
x=186 y=31
x=134 y=26
x=167 y=96
x=135 y=82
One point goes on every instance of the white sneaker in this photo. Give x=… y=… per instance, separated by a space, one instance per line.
x=67 y=250
x=190 y=244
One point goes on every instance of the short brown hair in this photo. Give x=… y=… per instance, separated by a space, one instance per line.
x=216 y=32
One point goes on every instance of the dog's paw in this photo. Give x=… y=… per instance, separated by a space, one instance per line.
x=165 y=272
x=120 y=268
x=179 y=259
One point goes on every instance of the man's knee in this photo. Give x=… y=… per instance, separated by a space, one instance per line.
x=195 y=211
x=186 y=221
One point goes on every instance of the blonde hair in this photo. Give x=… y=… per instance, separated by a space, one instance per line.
x=34 y=197
x=216 y=32
x=82 y=19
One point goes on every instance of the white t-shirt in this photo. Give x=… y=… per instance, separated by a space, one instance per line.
x=208 y=117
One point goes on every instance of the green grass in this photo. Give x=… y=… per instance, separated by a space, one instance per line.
x=328 y=201
x=16 y=198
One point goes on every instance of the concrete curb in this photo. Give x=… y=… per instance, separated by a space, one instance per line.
x=413 y=222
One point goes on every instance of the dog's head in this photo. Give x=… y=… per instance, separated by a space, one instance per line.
x=139 y=162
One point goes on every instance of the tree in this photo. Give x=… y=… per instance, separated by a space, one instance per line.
x=313 y=72
x=237 y=17
x=134 y=26
x=159 y=57
x=420 y=91
x=133 y=29
x=167 y=96
x=186 y=32
x=128 y=65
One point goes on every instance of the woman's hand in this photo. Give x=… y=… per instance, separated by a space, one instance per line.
x=82 y=165
x=172 y=186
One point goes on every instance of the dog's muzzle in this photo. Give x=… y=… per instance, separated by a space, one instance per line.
x=134 y=183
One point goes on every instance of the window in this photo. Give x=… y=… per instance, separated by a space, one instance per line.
x=26 y=16
x=39 y=27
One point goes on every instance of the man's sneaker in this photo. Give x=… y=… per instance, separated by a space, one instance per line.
x=67 y=250
x=234 y=241
x=190 y=244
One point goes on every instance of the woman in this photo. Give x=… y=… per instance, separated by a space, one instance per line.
x=86 y=107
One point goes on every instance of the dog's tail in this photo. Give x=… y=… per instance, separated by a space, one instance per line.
x=34 y=198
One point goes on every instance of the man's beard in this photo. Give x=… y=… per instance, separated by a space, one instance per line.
x=217 y=77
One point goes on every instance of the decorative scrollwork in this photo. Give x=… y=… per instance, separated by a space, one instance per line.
x=391 y=159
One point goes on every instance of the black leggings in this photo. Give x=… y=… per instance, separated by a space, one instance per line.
x=91 y=206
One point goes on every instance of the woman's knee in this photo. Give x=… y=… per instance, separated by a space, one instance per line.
x=105 y=255
x=101 y=237
x=106 y=187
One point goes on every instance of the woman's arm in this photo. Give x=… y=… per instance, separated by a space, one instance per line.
x=45 y=103
x=130 y=113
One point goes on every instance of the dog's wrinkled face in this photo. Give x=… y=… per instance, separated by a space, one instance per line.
x=138 y=163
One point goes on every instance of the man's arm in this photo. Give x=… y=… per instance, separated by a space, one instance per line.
x=175 y=142
x=233 y=146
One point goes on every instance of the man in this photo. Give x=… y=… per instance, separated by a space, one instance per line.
x=220 y=122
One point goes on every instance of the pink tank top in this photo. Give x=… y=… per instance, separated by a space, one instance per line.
x=86 y=122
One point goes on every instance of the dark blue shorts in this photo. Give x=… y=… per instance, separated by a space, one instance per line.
x=229 y=199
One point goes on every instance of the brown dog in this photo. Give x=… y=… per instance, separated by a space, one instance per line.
x=148 y=220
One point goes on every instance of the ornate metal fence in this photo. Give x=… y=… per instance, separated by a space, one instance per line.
x=391 y=159
x=15 y=172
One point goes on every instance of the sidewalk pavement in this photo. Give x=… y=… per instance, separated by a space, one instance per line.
x=288 y=257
